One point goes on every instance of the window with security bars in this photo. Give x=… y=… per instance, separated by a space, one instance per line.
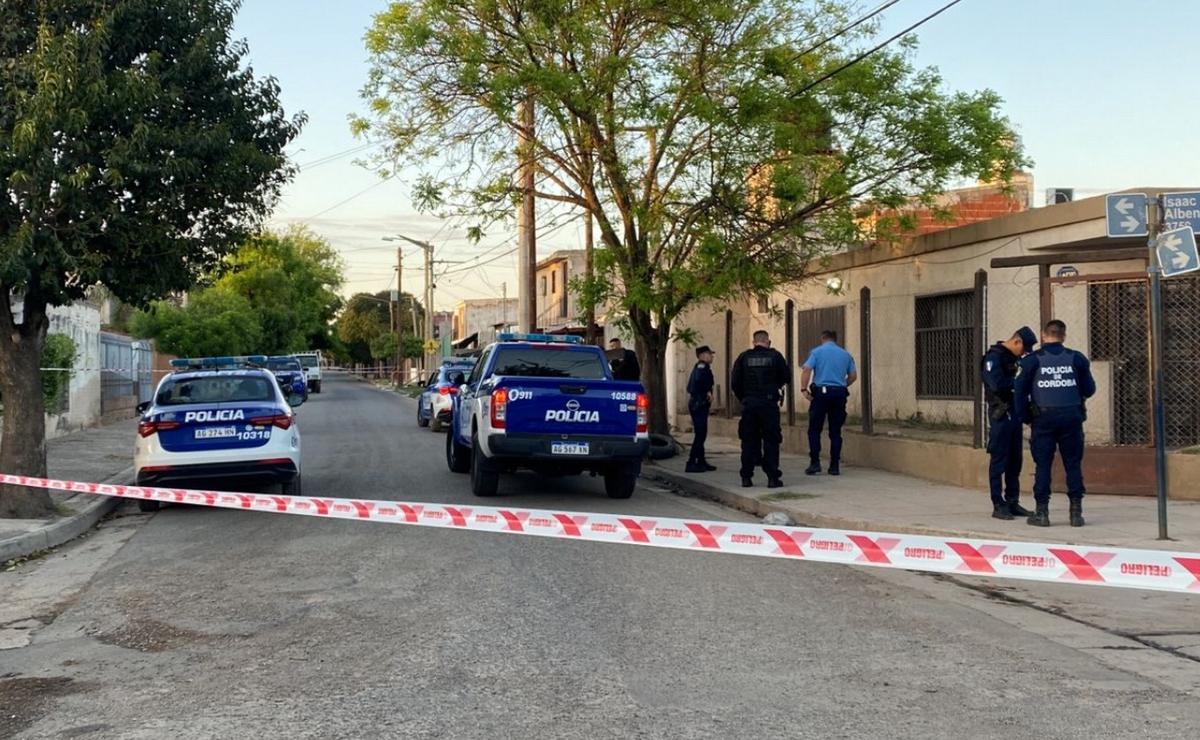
x=810 y=324
x=945 y=355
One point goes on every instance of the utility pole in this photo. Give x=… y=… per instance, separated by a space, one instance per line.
x=399 y=372
x=1154 y=220
x=427 y=333
x=526 y=223
x=590 y=275
x=504 y=303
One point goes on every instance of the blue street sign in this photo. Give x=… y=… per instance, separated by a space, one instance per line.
x=1126 y=214
x=1177 y=251
x=1181 y=209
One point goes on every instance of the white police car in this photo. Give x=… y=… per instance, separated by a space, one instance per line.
x=218 y=421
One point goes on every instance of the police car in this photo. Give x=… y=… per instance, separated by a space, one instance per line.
x=291 y=376
x=548 y=404
x=218 y=420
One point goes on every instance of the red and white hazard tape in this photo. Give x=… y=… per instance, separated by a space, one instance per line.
x=1160 y=570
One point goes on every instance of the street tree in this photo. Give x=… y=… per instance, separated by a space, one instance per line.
x=719 y=150
x=137 y=147
x=215 y=322
x=366 y=318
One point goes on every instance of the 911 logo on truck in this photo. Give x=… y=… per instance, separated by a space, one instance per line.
x=221 y=415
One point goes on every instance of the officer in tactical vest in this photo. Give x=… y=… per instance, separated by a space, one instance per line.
x=998 y=370
x=700 y=398
x=759 y=376
x=1051 y=389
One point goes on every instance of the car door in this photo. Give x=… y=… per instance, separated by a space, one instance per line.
x=467 y=400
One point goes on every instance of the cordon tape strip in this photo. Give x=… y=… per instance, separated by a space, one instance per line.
x=1160 y=570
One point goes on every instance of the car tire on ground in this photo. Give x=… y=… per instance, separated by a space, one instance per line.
x=292 y=487
x=316 y=386
x=435 y=425
x=147 y=505
x=662 y=446
x=620 y=482
x=485 y=481
x=458 y=457
x=421 y=420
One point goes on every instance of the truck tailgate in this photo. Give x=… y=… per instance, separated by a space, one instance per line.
x=571 y=407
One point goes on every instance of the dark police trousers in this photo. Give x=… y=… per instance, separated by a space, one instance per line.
x=1005 y=445
x=828 y=402
x=760 y=434
x=1060 y=428
x=699 y=412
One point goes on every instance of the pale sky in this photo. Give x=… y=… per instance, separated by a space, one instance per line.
x=1102 y=93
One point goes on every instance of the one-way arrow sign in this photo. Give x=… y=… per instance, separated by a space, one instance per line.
x=1177 y=251
x=1126 y=214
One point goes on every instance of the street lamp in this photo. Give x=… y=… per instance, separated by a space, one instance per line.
x=427 y=329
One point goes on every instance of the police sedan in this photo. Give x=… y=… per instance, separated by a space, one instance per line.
x=218 y=421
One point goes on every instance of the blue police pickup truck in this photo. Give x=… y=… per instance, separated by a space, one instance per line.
x=548 y=404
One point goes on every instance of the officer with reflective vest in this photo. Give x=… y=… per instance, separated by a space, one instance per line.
x=998 y=370
x=1051 y=389
x=700 y=397
x=759 y=376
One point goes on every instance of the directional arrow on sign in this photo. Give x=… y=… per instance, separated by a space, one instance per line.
x=1123 y=206
x=1130 y=224
x=1177 y=251
x=1180 y=260
x=1173 y=242
x=1125 y=215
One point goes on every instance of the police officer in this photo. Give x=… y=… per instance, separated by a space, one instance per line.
x=700 y=397
x=826 y=378
x=998 y=370
x=1050 y=391
x=759 y=376
x=625 y=366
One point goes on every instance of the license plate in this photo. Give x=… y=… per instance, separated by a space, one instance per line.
x=569 y=448
x=216 y=432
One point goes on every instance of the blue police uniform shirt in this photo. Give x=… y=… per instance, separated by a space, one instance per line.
x=1054 y=377
x=700 y=383
x=830 y=364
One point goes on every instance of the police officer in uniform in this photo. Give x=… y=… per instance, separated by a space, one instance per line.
x=999 y=369
x=759 y=376
x=826 y=378
x=700 y=397
x=1051 y=389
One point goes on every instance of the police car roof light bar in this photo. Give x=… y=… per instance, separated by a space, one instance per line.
x=208 y=363
x=548 y=338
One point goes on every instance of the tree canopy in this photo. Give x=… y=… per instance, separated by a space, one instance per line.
x=364 y=327
x=137 y=147
x=718 y=149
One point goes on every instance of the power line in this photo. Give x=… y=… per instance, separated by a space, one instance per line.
x=876 y=48
x=360 y=193
x=847 y=29
x=334 y=157
x=481 y=264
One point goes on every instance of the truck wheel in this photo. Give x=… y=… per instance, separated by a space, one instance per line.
x=485 y=481
x=619 y=483
x=458 y=457
x=316 y=386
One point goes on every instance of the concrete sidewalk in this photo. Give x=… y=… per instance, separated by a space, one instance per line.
x=100 y=454
x=869 y=499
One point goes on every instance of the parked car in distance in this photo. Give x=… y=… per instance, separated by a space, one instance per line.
x=290 y=374
x=434 y=405
x=311 y=362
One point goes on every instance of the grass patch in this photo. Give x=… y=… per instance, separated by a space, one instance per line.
x=787 y=496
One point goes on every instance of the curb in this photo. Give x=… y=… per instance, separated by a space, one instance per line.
x=63 y=530
x=759 y=508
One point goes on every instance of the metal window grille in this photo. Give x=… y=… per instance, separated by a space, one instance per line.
x=945 y=360
x=810 y=324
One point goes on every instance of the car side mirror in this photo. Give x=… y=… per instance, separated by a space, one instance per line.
x=141 y=407
x=295 y=399
x=457 y=378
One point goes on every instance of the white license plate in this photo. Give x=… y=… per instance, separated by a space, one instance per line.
x=569 y=448
x=216 y=432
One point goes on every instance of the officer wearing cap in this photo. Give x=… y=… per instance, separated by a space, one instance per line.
x=700 y=397
x=759 y=376
x=998 y=370
x=828 y=374
x=1051 y=389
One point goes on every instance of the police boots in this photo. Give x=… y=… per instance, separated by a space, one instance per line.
x=1077 y=513
x=1040 y=517
x=1001 y=511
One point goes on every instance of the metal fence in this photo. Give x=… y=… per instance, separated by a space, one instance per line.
x=127 y=374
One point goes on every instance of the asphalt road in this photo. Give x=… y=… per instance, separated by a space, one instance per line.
x=199 y=623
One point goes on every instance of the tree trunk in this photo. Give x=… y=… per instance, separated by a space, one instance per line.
x=23 y=447
x=652 y=343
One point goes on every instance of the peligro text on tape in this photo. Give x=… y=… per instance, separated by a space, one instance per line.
x=1160 y=570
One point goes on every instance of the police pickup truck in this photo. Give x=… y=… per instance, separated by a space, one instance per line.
x=549 y=404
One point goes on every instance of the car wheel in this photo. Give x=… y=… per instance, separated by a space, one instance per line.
x=316 y=386
x=421 y=420
x=292 y=487
x=485 y=481
x=435 y=425
x=458 y=457
x=620 y=482
x=147 y=505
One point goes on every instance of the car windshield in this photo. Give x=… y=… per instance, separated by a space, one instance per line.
x=283 y=363
x=215 y=389
x=307 y=360
x=448 y=370
x=544 y=362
